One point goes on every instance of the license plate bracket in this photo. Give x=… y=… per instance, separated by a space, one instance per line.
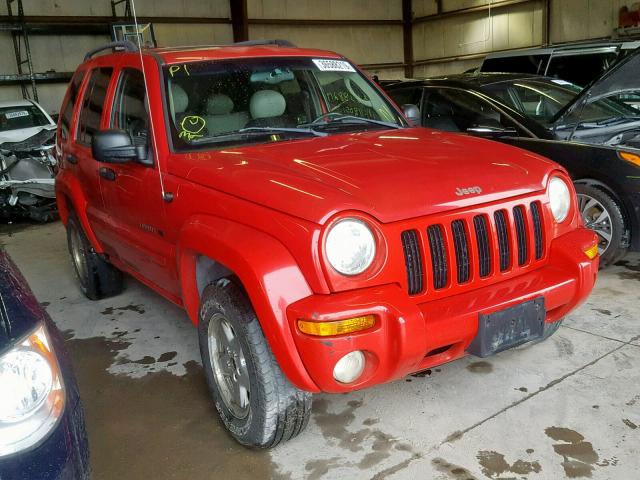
x=509 y=328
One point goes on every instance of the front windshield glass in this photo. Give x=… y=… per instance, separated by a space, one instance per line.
x=541 y=100
x=242 y=101
x=21 y=116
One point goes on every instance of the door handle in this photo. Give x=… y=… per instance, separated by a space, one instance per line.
x=107 y=173
x=72 y=158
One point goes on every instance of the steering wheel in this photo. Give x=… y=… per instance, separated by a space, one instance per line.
x=363 y=101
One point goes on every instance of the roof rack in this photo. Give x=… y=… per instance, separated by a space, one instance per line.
x=125 y=45
x=279 y=43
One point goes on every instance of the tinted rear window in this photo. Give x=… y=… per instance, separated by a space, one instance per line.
x=67 y=111
x=93 y=104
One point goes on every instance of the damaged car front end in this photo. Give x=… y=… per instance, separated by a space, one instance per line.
x=27 y=170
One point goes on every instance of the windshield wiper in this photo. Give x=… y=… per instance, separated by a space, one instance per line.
x=251 y=132
x=284 y=129
x=344 y=118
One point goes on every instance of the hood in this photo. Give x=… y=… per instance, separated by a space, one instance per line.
x=391 y=175
x=23 y=133
x=622 y=77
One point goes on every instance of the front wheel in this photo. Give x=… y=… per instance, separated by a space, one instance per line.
x=602 y=214
x=256 y=402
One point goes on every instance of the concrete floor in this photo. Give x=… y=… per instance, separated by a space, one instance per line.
x=569 y=407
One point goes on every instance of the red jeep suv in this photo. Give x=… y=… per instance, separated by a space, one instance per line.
x=318 y=241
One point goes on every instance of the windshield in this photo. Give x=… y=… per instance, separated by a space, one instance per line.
x=270 y=99
x=21 y=116
x=541 y=100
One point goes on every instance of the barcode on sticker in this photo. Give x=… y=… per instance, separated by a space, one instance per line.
x=325 y=65
x=20 y=113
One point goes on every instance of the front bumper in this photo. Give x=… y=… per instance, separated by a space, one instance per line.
x=409 y=336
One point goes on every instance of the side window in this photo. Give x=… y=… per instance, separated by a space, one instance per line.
x=67 y=111
x=403 y=96
x=93 y=104
x=129 y=109
x=455 y=110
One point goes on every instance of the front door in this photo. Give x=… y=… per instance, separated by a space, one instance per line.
x=132 y=194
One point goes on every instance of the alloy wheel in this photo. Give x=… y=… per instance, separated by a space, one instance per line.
x=78 y=255
x=229 y=365
x=597 y=218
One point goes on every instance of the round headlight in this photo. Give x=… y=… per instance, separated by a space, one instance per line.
x=559 y=198
x=350 y=246
x=27 y=380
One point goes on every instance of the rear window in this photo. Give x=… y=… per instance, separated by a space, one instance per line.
x=67 y=111
x=93 y=104
x=535 y=64
x=21 y=116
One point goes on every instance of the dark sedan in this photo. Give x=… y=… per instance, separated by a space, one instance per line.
x=42 y=430
x=519 y=110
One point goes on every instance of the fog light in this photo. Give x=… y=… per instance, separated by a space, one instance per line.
x=592 y=252
x=350 y=367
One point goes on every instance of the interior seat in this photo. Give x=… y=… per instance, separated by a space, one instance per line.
x=220 y=117
x=179 y=101
x=267 y=110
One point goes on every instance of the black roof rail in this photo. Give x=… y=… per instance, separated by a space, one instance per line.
x=279 y=43
x=125 y=45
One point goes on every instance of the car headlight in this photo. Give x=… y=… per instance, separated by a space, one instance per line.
x=559 y=198
x=350 y=246
x=32 y=395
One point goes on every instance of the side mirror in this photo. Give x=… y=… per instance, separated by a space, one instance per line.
x=113 y=146
x=412 y=113
x=491 y=131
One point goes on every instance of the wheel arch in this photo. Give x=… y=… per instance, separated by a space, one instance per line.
x=212 y=248
x=70 y=198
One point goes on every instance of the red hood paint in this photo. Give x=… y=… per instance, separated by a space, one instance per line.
x=391 y=175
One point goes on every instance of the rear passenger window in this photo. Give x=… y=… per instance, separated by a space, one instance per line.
x=129 y=111
x=93 y=104
x=67 y=111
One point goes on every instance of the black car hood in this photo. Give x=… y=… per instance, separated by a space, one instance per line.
x=622 y=77
x=20 y=312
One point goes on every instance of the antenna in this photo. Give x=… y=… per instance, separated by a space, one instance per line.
x=167 y=197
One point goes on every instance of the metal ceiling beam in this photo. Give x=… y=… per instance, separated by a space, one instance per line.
x=463 y=11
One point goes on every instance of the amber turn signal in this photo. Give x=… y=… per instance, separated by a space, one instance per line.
x=338 y=327
x=592 y=252
x=630 y=157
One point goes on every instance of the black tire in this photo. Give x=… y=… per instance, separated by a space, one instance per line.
x=97 y=277
x=276 y=411
x=618 y=244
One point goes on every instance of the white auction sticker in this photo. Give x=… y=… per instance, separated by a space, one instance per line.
x=20 y=113
x=325 y=65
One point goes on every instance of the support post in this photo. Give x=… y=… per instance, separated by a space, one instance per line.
x=407 y=37
x=239 y=20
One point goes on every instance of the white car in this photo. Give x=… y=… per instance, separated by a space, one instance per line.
x=27 y=164
x=21 y=119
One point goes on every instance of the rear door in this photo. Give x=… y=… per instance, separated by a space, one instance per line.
x=79 y=152
x=131 y=191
